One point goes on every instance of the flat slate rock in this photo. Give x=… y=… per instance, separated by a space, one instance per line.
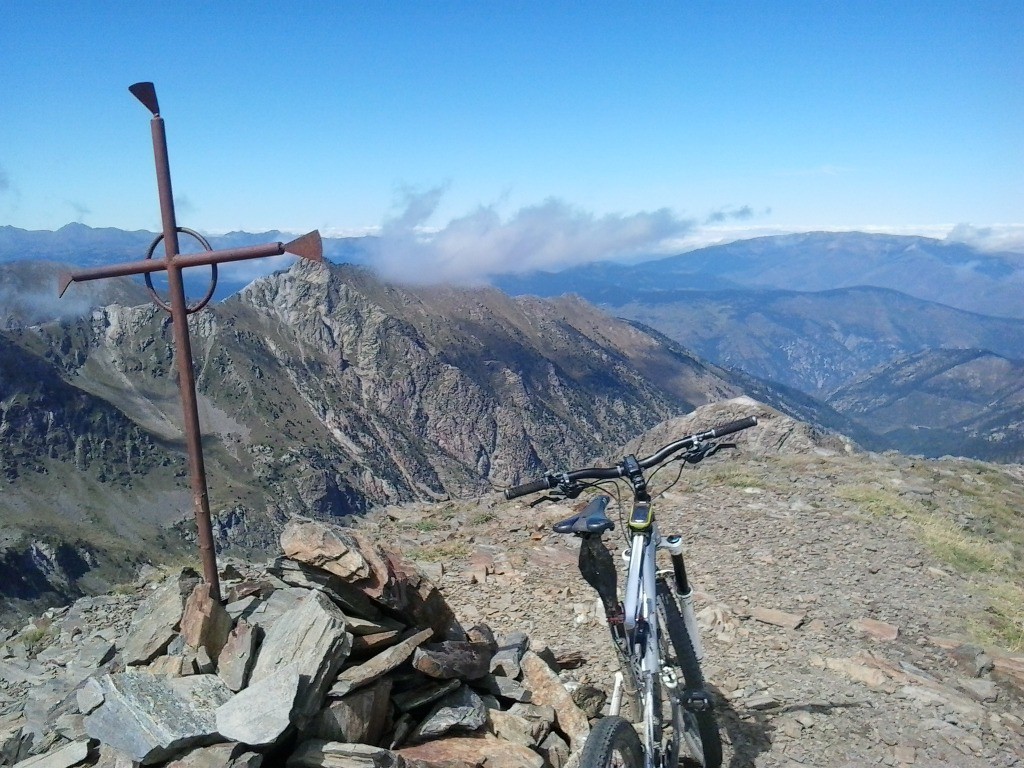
x=358 y=718
x=64 y=757
x=238 y=655
x=472 y=752
x=461 y=710
x=219 y=756
x=262 y=713
x=156 y=621
x=365 y=673
x=151 y=718
x=453 y=659
x=313 y=637
x=317 y=753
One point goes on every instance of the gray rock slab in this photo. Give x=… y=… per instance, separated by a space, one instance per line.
x=358 y=718
x=317 y=753
x=350 y=598
x=219 y=756
x=367 y=645
x=152 y=718
x=238 y=608
x=156 y=620
x=506 y=659
x=17 y=671
x=328 y=548
x=515 y=728
x=472 y=752
x=262 y=713
x=264 y=612
x=453 y=659
x=554 y=750
x=460 y=710
x=360 y=626
x=94 y=652
x=238 y=655
x=44 y=703
x=361 y=674
x=113 y=758
x=64 y=757
x=70 y=726
x=424 y=694
x=14 y=742
x=503 y=686
x=313 y=637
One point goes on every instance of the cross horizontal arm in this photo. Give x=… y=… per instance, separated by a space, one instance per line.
x=308 y=246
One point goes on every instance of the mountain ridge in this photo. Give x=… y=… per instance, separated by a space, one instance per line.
x=949 y=273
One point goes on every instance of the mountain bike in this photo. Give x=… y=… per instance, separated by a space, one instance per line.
x=654 y=629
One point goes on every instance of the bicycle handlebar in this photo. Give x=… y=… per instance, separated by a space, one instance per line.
x=609 y=473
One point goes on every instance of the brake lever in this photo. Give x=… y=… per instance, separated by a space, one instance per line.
x=704 y=450
x=545 y=497
x=570 y=491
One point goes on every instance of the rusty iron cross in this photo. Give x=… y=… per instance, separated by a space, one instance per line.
x=308 y=246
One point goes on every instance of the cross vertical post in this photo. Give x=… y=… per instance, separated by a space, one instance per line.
x=308 y=247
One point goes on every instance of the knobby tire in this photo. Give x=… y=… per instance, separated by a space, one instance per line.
x=702 y=727
x=613 y=743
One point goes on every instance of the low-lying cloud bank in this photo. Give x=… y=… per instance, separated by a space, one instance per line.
x=1001 y=237
x=550 y=236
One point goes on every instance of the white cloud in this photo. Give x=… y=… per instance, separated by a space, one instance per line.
x=999 y=237
x=548 y=236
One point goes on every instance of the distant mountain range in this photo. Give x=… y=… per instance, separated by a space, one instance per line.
x=949 y=273
x=841 y=317
x=821 y=314
x=816 y=341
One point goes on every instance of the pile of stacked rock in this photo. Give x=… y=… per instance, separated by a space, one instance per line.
x=338 y=653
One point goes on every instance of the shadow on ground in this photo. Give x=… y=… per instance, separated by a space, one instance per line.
x=750 y=731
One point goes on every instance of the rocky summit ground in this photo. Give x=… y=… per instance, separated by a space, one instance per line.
x=852 y=604
x=857 y=609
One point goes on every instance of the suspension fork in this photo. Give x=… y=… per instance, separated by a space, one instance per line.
x=674 y=546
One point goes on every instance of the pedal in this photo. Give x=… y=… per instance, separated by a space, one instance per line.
x=697 y=701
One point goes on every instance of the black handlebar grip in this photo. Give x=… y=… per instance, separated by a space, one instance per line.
x=525 y=490
x=734 y=426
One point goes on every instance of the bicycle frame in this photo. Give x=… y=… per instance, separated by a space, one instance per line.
x=642 y=627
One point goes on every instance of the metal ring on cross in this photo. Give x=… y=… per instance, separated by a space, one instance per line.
x=189 y=309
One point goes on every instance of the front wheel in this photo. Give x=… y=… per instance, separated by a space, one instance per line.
x=612 y=743
x=699 y=727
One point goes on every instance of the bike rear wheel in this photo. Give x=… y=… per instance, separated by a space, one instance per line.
x=612 y=743
x=700 y=735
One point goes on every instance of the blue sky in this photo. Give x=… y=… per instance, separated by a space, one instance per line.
x=642 y=123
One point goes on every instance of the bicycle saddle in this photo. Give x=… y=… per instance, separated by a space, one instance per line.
x=591 y=520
